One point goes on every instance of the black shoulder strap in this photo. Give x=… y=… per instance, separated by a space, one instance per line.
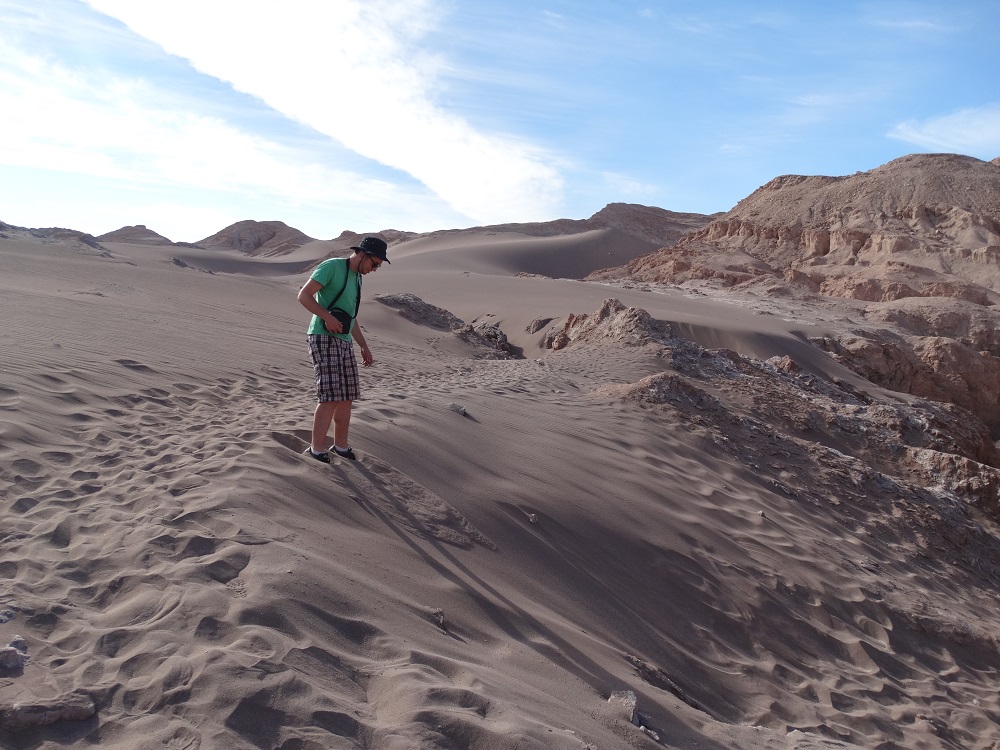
x=343 y=288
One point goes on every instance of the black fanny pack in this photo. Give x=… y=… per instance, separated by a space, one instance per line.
x=343 y=316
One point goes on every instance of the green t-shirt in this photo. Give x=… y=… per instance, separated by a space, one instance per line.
x=330 y=273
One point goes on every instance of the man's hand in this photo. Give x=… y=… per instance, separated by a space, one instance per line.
x=366 y=356
x=332 y=324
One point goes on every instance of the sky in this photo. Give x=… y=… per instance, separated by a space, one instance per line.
x=363 y=115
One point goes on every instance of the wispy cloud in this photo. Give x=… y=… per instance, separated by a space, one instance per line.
x=973 y=131
x=355 y=72
x=164 y=145
x=916 y=25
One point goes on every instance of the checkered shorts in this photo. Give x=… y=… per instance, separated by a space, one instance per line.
x=336 y=368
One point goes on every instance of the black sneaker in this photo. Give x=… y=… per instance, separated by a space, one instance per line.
x=345 y=454
x=323 y=457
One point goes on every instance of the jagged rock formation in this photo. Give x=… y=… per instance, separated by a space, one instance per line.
x=775 y=408
x=135 y=235
x=612 y=322
x=257 y=238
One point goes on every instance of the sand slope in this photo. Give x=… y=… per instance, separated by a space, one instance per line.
x=520 y=539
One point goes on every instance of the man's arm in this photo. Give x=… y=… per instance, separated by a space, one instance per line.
x=366 y=353
x=307 y=298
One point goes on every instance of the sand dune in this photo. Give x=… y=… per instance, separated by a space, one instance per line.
x=742 y=538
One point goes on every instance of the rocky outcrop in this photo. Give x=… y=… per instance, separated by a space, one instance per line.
x=13 y=657
x=414 y=309
x=486 y=337
x=613 y=322
x=490 y=333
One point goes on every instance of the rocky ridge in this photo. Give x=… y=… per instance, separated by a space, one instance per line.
x=922 y=225
x=53 y=236
x=793 y=425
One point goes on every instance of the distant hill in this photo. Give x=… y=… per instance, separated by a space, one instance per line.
x=257 y=238
x=135 y=235
x=652 y=225
x=571 y=248
x=53 y=235
x=649 y=226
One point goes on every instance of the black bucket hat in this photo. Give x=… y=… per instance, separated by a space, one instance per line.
x=373 y=246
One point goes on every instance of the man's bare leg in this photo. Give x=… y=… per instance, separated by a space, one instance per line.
x=341 y=423
x=322 y=418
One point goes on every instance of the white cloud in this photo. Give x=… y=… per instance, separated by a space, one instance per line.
x=353 y=70
x=973 y=131
x=105 y=126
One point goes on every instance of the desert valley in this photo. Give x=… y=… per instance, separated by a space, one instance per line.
x=642 y=480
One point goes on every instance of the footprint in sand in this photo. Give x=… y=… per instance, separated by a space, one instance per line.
x=238 y=587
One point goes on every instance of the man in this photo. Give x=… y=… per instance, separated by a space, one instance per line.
x=333 y=294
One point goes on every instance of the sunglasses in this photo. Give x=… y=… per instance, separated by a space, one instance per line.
x=376 y=262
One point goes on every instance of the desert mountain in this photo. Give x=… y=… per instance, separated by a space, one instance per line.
x=913 y=246
x=257 y=238
x=135 y=235
x=922 y=225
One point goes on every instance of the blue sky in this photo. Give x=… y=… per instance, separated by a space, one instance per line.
x=189 y=115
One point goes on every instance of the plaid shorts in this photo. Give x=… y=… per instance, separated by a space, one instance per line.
x=336 y=368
